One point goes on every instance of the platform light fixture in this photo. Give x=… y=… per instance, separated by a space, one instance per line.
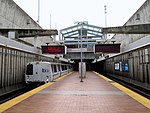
x=81 y=52
x=105 y=11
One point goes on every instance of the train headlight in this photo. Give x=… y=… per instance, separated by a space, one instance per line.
x=47 y=79
x=28 y=78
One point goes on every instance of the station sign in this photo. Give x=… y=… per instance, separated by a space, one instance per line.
x=53 y=49
x=107 y=48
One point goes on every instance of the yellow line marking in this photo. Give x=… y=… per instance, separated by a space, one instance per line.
x=18 y=99
x=22 y=97
x=105 y=78
x=139 y=98
x=144 y=101
x=63 y=76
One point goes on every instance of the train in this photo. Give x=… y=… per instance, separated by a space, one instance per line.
x=44 y=72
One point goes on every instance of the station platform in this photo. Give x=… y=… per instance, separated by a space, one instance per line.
x=96 y=94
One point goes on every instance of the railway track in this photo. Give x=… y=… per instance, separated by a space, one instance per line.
x=131 y=84
x=10 y=95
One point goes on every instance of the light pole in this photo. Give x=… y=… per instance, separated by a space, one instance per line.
x=50 y=21
x=105 y=8
x=81 y=52
x=38 y=11
x=38 y=22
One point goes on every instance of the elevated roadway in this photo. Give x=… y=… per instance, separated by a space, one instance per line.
x=128 y=29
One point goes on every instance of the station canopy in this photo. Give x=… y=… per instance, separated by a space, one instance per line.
x=74 y=32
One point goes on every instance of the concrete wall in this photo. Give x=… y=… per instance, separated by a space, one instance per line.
x=12 y=16
x=12 y=43
x=130 y=41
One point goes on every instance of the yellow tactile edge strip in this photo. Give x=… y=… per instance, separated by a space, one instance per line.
x=22 y=97
x=144 y=101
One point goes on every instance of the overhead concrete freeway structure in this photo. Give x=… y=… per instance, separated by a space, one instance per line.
x=23 y=33
x=128 y=29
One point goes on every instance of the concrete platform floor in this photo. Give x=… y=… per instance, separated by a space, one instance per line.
x=69 y=95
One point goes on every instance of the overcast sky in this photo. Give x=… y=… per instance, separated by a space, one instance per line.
x=65 y=12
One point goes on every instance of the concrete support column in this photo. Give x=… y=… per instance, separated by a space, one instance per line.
x=54 y=38
x=35 y=43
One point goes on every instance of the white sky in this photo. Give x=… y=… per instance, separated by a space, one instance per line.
x=65 y=12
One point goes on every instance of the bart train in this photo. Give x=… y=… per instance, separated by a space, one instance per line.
x=45 y=71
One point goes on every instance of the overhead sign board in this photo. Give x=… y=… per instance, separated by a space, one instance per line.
x=107 y=48
x=53 y=49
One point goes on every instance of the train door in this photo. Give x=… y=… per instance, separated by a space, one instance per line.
x=51 y=73
x=37 y=72
x=59 y=70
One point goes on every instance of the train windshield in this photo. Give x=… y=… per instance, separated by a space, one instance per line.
x=29 y=70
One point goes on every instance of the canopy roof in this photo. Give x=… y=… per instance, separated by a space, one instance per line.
x=89 y=31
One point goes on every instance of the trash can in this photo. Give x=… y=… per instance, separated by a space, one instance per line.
x=83 y=69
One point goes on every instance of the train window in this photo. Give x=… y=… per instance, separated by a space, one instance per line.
x=54 y=69
x=69 y=67
x=58 y=67
x=63 y=67
x=29 y=70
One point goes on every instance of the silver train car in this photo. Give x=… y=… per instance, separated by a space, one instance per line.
x=37 y=72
